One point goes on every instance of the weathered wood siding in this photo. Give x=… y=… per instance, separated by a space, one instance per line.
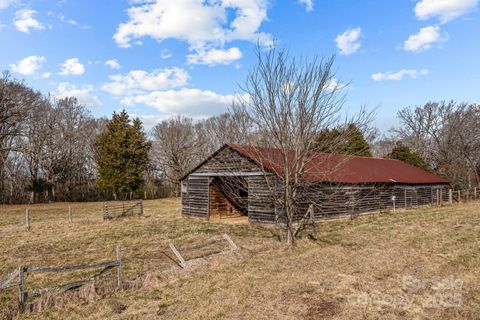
x=352 y=199
x=261 y=204
x=195 y=199
x=228 y=161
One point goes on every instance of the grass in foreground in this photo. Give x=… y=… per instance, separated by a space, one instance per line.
x=422 y=264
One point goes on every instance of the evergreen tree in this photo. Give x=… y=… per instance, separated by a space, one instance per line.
x=403 y=153
x=349 y=140
x=121 y=154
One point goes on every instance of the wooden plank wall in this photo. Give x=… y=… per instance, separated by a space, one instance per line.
x=227 y=161
x=261 y=204
x=196 y=198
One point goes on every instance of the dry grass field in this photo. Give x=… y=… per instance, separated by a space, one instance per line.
x=417 y=264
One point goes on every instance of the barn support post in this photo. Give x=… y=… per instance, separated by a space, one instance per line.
x=450 y=196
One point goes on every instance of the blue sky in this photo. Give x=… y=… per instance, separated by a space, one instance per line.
x=161 y=57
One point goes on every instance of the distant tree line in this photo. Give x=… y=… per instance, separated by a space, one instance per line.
x=55 y=150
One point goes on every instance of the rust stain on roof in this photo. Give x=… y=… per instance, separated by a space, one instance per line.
x=337 y=168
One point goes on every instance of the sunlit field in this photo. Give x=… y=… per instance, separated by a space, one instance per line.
x=422 y=263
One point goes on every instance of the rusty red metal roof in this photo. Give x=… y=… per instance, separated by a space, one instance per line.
x=337 y=168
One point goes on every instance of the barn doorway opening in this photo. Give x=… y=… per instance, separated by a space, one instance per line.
x=228 y=197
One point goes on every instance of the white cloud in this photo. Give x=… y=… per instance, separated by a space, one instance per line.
x=334 y=84
x=184 y=101
x=165 y=54
x=140 y=81
x=203 y=24
x=46 y=75
x=308 y=4
x=444 y=10
x=6 y=3
x=215 y=56
x=72 y=22
x=25 y=20
x=112 y=64
x=72 y=67
x=83 y=94
x=396 y=76
x=29 y=65
x=424 y=39
x=349 y=41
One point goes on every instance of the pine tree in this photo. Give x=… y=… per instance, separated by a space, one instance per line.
x=403 y=153
x=349 y=140
x=121 y=154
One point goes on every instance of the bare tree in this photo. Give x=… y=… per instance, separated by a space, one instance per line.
x=446 y=135
x=289 y=101
x=176 y=148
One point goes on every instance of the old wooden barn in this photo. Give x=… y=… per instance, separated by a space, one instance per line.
x=243 y=181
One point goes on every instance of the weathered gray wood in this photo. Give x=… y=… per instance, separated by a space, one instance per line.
x=450 y=196
x=183 y=263
x=119 y=267
x=230 y=241
x=72 y=268
x=201 y=245
x=7 y=282
x=21 y=288
x=69 y=214
x=227 y=174
x=67 y=286
x=27 y=219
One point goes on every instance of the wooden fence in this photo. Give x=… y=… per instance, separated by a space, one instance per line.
x=125 y=209
x=22 y=271
x=183 y=261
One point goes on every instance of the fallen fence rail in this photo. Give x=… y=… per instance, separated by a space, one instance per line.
x=22 y=271
x=126 y=209
x=183 y=261
x=7 y=282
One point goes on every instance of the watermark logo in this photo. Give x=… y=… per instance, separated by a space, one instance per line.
x=435 y=292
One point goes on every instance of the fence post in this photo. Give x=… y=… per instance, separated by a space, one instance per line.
x=475 y=193
x=21 y=288
x=405 y=195
x=468 y=194
x=141 y=206
x=119 y=268
x=69 y=214
x=459 y=196
x=27 y=219
x=450 y=196
x=312 y=221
